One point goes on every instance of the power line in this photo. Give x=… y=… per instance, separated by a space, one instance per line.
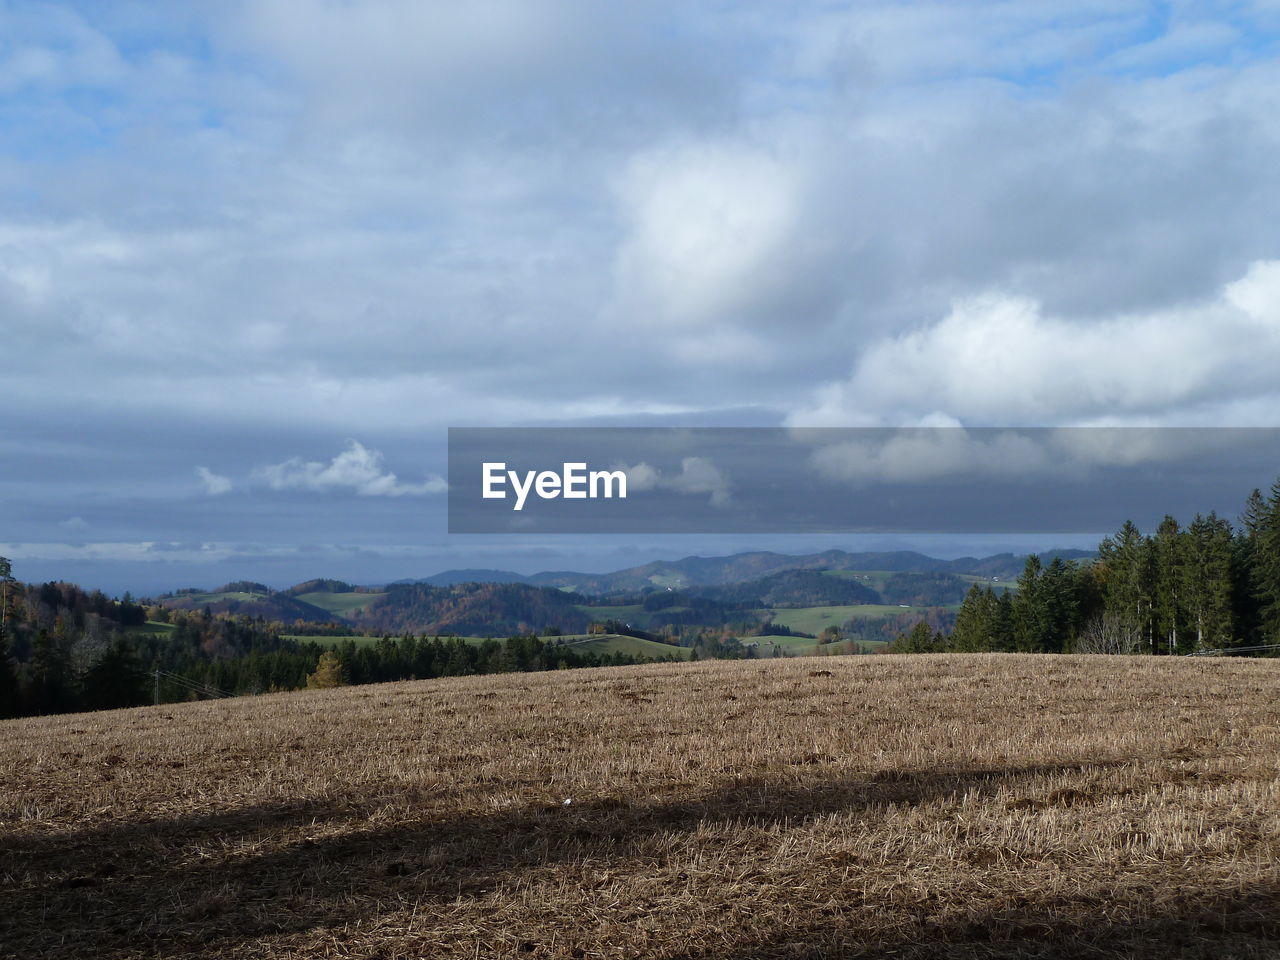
x=187 y=683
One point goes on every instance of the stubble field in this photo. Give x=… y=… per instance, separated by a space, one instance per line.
x=957 y=806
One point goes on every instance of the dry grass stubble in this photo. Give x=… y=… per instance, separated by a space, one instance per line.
x=966 y=806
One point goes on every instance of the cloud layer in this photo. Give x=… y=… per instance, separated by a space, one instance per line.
x=322 y=214
x=272 y=225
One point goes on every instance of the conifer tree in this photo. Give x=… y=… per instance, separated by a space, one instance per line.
x=9 y=706
x=1266 y=562
x=49 y=680
x=1129 y=576
x=1060 y=607
x=1244 y=609
x=1002 y=623
x=6 y=577
x=1044 y=615
x=972 y=631
x=921 y=639
x=1206 y=583
x=115 y=680
x=1170 y=576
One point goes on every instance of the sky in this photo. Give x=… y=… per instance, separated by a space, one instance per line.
x=257 y=257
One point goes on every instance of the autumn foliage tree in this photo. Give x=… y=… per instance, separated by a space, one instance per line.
x=328 y=673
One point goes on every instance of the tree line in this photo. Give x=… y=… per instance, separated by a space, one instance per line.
x=404 y=658
x=1181 y=590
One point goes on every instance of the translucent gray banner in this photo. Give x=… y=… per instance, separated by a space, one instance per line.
x=916 y=480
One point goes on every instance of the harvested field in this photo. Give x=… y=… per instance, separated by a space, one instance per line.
x=929 y=806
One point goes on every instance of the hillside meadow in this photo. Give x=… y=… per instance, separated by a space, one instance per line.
x=959 y=806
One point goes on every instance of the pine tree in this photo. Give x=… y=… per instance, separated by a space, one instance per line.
x=1030 y=614
x=1255 y=510
x=1090 y=593
x=1222 y=627
x=116 y=680
x=921 y=639
x=6 y=578
x=1002 y=638
x=1129 y=590
x=1266 y=562
x=1170 y=548
x=1245 y=579
x=1207 y=582
x=1060 y=606
x=9 y=705
x=972 y=631
x=49 y=680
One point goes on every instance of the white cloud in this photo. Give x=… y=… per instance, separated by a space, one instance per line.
x=708 y=232
x=641 y=477
x=1000 y=359
x=214 y=484
x=357 y=469
x=697 y=476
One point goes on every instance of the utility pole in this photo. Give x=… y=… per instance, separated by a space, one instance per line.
x=157 y=689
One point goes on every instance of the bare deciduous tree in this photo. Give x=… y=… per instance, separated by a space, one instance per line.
x=1111 y=632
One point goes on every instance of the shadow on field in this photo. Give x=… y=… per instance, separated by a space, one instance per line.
x=1229 y=921
x=213 y=884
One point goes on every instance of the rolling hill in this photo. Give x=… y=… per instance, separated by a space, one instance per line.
x=471 y=609
x=250 y=600
x=448 y=578
x=788 y=588
x=743 y=567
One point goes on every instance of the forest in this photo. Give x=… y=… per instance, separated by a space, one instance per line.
x=65 y=650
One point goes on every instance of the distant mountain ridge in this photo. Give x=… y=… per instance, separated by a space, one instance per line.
x=694 y=571
x=710 y=591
